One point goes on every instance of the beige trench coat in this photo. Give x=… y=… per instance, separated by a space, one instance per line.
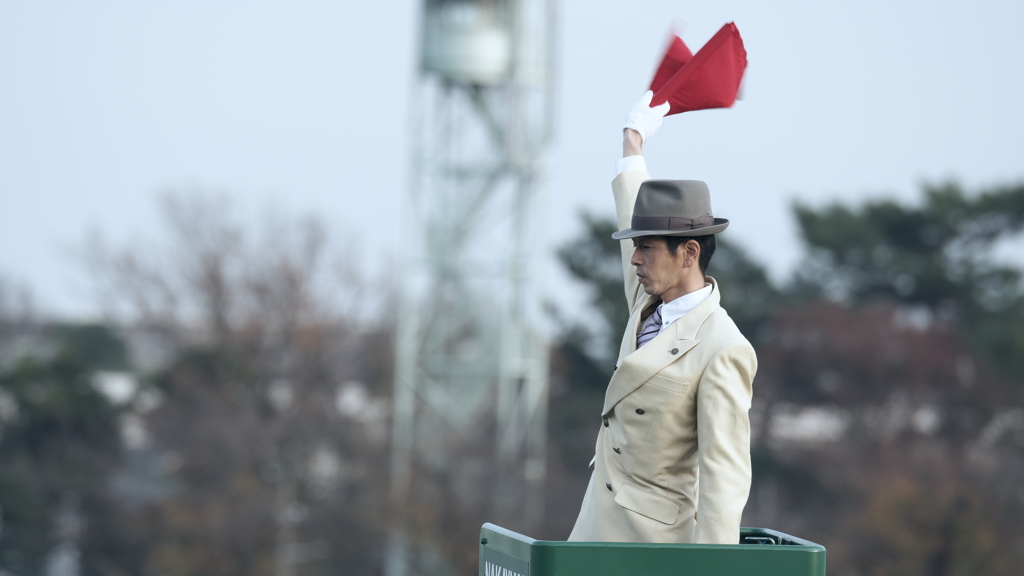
x=675 y=407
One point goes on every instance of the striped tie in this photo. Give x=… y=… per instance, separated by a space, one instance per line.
x=651 y=328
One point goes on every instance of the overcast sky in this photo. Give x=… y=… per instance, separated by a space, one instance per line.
x=302 y=106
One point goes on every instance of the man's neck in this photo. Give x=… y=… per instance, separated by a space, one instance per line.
x=689 y=286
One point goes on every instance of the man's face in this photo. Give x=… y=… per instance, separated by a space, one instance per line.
x=660 y=272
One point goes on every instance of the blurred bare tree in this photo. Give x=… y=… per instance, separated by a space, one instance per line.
x=267 y=428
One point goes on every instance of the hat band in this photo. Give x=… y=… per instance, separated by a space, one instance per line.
x=671 y=222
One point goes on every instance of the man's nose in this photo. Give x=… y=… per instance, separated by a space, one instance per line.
x=635 y=260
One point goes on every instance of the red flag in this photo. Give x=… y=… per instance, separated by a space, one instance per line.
x=709 y=79
x=675 y=58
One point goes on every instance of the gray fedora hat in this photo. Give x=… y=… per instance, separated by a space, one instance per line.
x=672 y=208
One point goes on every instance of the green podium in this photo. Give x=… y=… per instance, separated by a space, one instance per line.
x=760 y=552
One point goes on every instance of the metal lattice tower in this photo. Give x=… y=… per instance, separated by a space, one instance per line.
x=471 y=393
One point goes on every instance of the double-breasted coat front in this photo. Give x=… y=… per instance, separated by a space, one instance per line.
x=674 y=409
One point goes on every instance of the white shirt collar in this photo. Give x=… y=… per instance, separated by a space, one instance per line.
x=674 y=310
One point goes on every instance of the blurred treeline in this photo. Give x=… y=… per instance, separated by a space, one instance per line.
x=888 y=413
x=232 y=416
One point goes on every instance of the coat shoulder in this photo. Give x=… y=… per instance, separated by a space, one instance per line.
x=719 y=331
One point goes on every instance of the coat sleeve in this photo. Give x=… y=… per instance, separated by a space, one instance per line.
x=723 y=443
x=624 y=188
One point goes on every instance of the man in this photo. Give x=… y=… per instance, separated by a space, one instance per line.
x=678 y=401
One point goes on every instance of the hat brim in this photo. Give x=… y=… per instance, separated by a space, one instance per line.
x=719 y=225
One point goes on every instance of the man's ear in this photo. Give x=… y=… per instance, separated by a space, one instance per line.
x=691 y=253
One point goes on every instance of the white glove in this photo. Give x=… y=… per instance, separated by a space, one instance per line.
x=645 y=119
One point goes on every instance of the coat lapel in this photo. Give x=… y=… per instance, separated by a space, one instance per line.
x=637 y=366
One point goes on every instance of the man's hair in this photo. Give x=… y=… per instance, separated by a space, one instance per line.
x=707 y=248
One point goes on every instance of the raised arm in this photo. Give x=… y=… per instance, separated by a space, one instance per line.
x=641 y=123
x=632 y=143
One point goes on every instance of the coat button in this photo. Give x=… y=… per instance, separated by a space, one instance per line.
x=675 y=350
x=609 y=486
x=617 y=451
x=605 y=422
x=614 y=368
x=639 y=410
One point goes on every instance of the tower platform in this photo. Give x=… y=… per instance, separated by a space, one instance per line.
x=760 y=552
